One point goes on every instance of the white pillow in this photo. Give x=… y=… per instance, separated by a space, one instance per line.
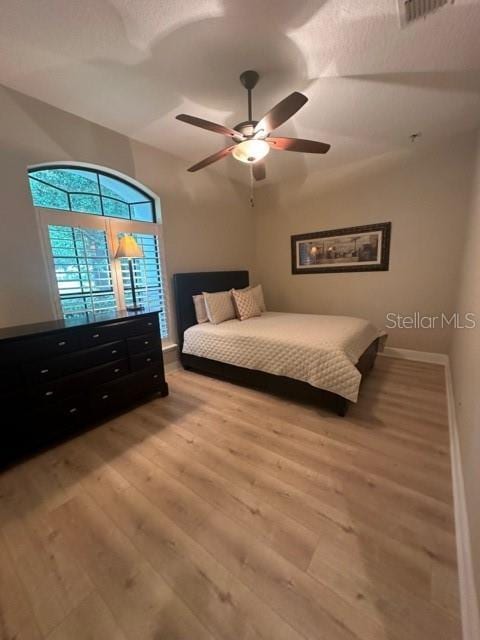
x=258 y=295
x=200 y=309
x=245 y=304
x=219 y=306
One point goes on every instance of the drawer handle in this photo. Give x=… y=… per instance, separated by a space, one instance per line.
x=105 y=396
x=146 y=342
x=44 y=371
x=49 y=393
x=150 y=324
x=95 y=336
x=62 y=343
x=73 y=410
x=116 y=371
x=114 y=351
x=155 y=376
x=148 y=360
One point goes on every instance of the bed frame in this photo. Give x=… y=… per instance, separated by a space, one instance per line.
x=186 y=285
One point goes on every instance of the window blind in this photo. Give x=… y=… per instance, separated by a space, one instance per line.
x=82 y=269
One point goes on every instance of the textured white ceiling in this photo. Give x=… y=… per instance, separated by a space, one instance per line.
x=131 y=65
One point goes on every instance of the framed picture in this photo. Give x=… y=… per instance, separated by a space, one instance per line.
x=365 y=248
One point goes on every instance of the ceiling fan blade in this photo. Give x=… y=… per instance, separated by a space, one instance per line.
x=259 y=170
x=206 y=124
x=296 y=144
x=281 y=112
x=213 y=158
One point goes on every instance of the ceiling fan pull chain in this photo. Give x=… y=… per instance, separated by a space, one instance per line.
x=252 y=199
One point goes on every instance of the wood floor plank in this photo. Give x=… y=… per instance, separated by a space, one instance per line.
x=143 y=605
x=219 y=599
x=47 y=568
x=348 y=477
x=292 y=540
x=219 y=526
x=445 y=589
x=383 y=439
x=305 y=603
x=91 y=620
x=224 y=512
x=311 y=512
x=16 y=615
x=220 y=536
x=385 y=601
x=313 y=450
x=172 y=553
x=362 y=506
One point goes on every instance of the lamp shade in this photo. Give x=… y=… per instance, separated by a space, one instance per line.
x=128 y=248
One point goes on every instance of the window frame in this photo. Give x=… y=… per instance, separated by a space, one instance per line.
x=94 y=169
x=112 y=225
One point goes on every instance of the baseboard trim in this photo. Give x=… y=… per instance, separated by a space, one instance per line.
x=468 y=595
x=418 y=356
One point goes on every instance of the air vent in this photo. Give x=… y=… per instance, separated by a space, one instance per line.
x=411 y=10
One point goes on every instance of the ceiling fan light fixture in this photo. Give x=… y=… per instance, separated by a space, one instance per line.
x=251 y=151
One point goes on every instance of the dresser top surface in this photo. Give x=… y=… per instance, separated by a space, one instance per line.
x=83 y=320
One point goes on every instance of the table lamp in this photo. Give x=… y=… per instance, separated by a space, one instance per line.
x=128 y=248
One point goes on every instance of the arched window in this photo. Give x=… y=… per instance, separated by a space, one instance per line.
x=83 y=213
x=86 y=190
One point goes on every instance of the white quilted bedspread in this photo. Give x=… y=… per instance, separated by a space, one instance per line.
x=320 y=350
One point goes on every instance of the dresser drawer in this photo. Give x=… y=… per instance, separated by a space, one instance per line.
x=147 y=342
x=146 y=359
x=152 y=380
x=100 y=375
x=92 y=336
x=59 y=417
x=42 y=370
x=48 y=346
x=50 y=392
x=106 y=353
x=71 y=411
x=146 y=324
x=107 y=397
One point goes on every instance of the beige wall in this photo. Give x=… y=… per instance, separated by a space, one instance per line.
x=465 y=362
x=207 y=221
x=424 y=193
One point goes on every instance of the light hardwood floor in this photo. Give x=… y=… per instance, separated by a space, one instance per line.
x=222 y=512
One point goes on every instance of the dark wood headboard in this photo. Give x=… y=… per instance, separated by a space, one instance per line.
x=186 y=285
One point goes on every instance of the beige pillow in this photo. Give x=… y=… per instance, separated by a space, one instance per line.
x=200 y=309
x=219 y=306
x=258 y=295
x=245 y=304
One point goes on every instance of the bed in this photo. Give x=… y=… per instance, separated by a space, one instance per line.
x=320 y=359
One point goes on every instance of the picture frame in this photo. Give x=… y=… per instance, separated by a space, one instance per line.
x=362 y=248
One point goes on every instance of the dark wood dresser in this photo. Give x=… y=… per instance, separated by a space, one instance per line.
x=57 y=377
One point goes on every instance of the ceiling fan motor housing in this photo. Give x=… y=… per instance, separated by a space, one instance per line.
x=246 y=129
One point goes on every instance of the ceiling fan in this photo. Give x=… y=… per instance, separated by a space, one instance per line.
x=252 y=139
